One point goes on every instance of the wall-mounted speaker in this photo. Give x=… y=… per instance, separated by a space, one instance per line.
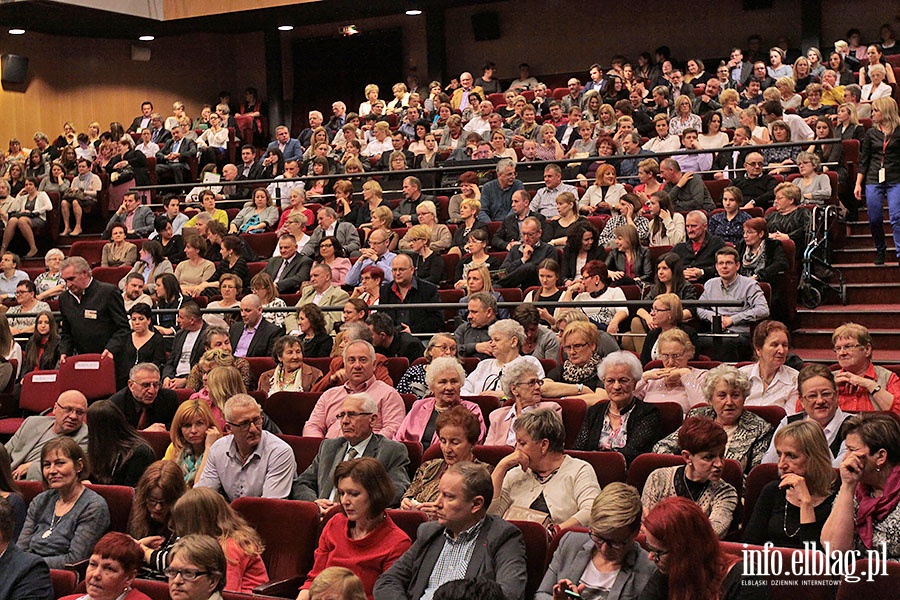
x=486 y=26
x=140 y=53
x=13 y=68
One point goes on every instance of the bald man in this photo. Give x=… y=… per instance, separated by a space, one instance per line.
x=254 y=335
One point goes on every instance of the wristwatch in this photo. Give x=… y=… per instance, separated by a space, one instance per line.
x=579 y=387
x=875 y=390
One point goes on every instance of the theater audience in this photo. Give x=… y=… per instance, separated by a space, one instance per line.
x=507 y=339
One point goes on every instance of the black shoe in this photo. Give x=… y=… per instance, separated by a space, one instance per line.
x=879 y=257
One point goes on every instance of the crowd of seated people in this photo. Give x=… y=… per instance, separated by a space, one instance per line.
x=348 y=266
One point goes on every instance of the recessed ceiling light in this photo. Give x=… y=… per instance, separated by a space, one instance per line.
x=414 y=12
x=16 y=32
x=147 y=38
x=285 y=28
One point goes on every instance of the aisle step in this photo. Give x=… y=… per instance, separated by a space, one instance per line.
x=868 y=315
x=869 y=273
x=874 y=293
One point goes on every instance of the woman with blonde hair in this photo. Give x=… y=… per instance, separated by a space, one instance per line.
x=221 y=380
x=675 y=381
x=427 y=264
x=604 y=194
x=791 y=511
x=789 y=97
x=759 y=135
x=548 y=148
x=478 y=279
x=204 y=511
x=361 y=212
x=439 y=236
x=336 y=582
x=193 y=432
x=684 y=116
x=879 y=170
x=731 y=113
x=382 y=217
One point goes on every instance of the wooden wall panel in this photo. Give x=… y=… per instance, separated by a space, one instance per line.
x=85 y=80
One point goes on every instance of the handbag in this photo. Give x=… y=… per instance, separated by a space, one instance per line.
x=122 y=176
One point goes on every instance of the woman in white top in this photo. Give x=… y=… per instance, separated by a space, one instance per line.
x=507 y=338
x=684 y=116
x=27 y=213
x=777 y=68
x=666 y=225
x=878 y=88
x=789 y=98
x=712 y=136
x=371 y=98
x=759 y=135
x=213 y=142
x=604 y=194
x=772 y=383
x=663 y=142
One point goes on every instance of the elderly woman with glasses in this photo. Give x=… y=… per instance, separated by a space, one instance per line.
x=445 y=378
x=725 y=389
x=624 y=423
x=507 y=337
x=675 y=381
x=523 y=386
x=538 y=479
x=862 y=385
x=577 y=374
x=414 y=380
x=606 y=562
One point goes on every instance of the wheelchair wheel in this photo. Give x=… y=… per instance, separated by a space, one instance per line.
x=810 y=296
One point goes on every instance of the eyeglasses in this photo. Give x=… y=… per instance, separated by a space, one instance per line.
x=659 y=553
x=186 y=574
x=529 y=383
x=71 y=410
x=146 y=384
x=152 y=503
x=349 y=414
x=574 y=348
x=377 y=242
x=444 y=348
x=847 y=348
x=671 y=356
x=827 y=396
x=623 y=381
x=613 y=544
x=653 y=309
x=754 y=163
x=326 y=245
x=245 y=425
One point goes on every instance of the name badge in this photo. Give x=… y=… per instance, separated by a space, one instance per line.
x=90 y=314
x=881 y=175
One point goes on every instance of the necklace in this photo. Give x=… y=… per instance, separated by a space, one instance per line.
x=54 y=521
x=784 y=524
x=688 y=487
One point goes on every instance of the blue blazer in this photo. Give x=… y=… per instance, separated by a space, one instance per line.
x=292 y=151
x=25 y=576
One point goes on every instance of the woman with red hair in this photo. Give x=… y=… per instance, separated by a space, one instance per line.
x=690 y=564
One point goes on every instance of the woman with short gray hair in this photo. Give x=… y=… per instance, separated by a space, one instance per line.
x=444 y=378
x=623 y=423
x=520 y=382
x=538 y=479
x=507 y=339
x=725 y=389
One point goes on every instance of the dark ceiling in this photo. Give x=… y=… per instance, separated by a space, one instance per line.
x=64 y=19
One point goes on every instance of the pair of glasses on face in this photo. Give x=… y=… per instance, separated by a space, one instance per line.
x=613 y=544
x=245 y=425
x=186 y=574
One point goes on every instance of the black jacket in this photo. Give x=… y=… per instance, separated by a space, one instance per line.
x=643 y=429
x=161 y=411
x=419 y=320
x=704 y=259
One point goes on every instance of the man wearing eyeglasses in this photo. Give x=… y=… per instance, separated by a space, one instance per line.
x=250 y=461
x=409 y=289
x=819 y=399
x=144 y=402
x=359 y=413
x=757 y=186
x=26 y=444
x=376 y=254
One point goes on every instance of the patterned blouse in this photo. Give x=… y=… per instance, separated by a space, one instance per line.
x=424 y=486
x=747 y=443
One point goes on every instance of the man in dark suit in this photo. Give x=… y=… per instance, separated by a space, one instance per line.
x=316 y=484
x=405 y=213
x=739 y=70
x=187 y=347
x=143 y=402
x=173 y=158
x=93 y=316
x=25 y=576
x=249 y=169
x=510 y=232
x=499 y=550
x=757 y=186
x=397 y=141
x=521 y=264
x=409 y=289
x=253 y=336
x=159 y=135
x=286 y=270
x=142 y=121
x=699 y=265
